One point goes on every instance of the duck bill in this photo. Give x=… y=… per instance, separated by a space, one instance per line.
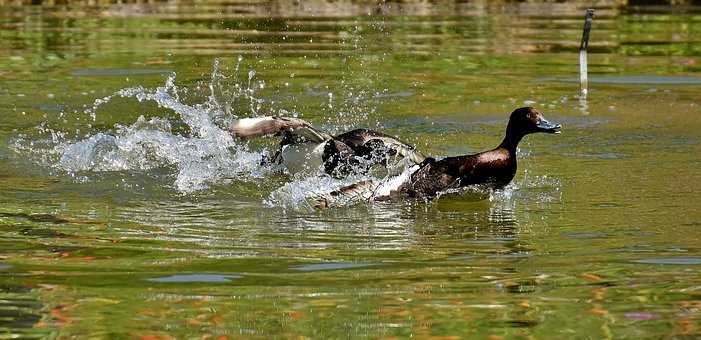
x=549 y=127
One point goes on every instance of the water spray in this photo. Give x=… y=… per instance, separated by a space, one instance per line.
x=583 y=81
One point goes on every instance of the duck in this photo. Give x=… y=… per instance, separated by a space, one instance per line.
x=491 y=169
x=411 y=174
x=304 y=148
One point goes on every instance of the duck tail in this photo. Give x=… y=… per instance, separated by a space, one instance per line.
x=247 y=128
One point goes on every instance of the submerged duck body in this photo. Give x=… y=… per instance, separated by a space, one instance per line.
x=424 y=177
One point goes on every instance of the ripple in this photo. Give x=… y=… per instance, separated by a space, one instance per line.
x=672 y=261
x=641 y=316
x=181 y=278
x=659 y=80
x=601 y=155
x=112 y=72
x=313 y=267
x=586 y=235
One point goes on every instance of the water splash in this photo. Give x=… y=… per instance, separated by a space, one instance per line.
x=206 y=155
x=303 y=191
x=535 y=189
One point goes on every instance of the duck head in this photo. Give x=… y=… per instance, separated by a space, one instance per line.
x=524 y=121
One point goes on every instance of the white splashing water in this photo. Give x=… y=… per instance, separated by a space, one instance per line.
x=208 y=155
x=536 y=189
x=303 y=191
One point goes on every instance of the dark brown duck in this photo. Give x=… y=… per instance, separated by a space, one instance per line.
x=494 y=168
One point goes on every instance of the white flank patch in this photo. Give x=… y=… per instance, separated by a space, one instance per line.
x=392 y=184
x=303 y=157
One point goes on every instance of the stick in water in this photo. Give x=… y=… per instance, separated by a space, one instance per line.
x=583 y=83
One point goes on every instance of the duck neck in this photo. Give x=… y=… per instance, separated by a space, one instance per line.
x=511 y=140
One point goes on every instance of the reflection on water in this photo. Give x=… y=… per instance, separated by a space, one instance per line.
x=126 y=210
x=19 y=313
x=322 y=28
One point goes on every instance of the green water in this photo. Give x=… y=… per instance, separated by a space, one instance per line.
x=598 y=237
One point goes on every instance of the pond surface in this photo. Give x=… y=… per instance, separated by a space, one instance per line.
x=126 y=211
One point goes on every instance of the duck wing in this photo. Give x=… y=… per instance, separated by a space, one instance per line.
x=247 y=128
x=369 y=141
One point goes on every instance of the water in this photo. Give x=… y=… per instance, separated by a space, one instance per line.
x=126 y=210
